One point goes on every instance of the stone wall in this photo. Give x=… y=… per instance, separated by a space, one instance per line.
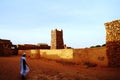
x=32 y=53
x=6 y=48
x=113 y=43
x=32 y=46
x=51 y=54
x=57 y=54
x=92 y=55
x=57 y=39
x=79 y=56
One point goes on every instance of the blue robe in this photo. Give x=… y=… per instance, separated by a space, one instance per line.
x=24 y=69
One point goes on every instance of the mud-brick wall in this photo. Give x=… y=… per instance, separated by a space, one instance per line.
x=32 y=53
x=113 y=43
x=57 y=53
x=51 y=54
x=92 y=55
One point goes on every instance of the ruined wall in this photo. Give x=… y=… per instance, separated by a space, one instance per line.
x=57 y=39
x=113 y=43
x=79 y=56
x=5 y=47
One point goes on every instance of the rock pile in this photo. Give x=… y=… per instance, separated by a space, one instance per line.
x=113 y=43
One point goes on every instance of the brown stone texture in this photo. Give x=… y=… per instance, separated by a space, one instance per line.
x=7 y=48
x=91 y=55
x=113 y=43
x=32 y=46
x=57 y=39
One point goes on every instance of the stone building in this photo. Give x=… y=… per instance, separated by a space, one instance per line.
x=113 y=43
x=7 y=48
x=57 y=39
x=33 y=46
x=43 y=46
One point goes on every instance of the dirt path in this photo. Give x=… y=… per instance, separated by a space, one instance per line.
x=51 y=70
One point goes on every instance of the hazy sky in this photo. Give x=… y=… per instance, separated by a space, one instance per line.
x=82 y=21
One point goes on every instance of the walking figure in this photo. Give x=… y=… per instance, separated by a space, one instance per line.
x=24 y=69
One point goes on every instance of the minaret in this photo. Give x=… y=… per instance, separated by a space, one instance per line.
x=57 y=39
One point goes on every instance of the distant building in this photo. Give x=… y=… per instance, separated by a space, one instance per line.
x=32 y=46
x=43 y=46
x=57 y=39
x=7 y=48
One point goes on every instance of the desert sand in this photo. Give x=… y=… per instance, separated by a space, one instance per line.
x=43 y=69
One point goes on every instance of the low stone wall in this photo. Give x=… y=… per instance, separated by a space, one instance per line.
x=91 y=55
x=57 y=54
x=52 y=54
x=33 y=53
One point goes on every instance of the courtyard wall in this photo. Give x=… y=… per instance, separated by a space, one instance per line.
x=79 y=56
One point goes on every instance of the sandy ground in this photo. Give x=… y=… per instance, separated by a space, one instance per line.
x=41 y=69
